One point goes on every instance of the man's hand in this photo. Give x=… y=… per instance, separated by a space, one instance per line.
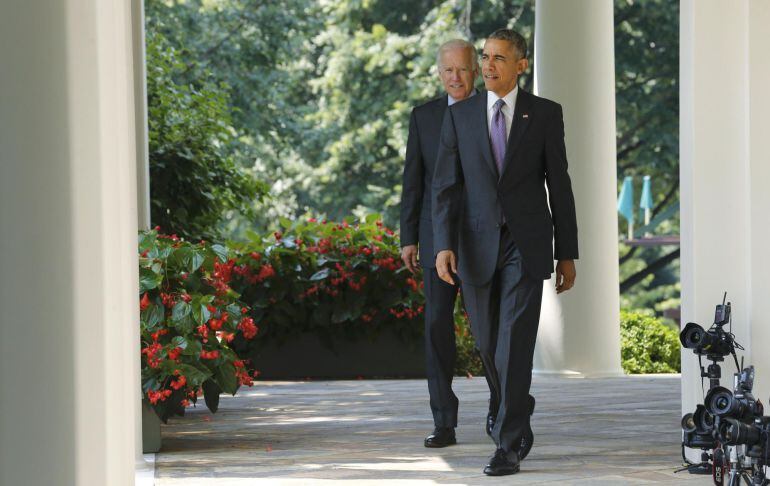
x=409 y=257
x=446 y=262
x=565 y=275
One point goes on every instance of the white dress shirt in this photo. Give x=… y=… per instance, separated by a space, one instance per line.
x=507 y=109
x=451 y=101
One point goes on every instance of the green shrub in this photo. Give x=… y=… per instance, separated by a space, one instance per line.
x=648 y=345
x=332 y=279
x=188 y=317
x=468 y=360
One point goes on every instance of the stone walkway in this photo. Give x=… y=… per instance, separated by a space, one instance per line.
x=611 y=431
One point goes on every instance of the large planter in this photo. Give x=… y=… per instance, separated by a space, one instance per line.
x=150 y=429
x=386 y=356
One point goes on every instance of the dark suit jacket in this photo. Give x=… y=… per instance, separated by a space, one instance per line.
x=470 y=198
x=421 y=151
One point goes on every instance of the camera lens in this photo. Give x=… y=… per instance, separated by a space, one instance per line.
x=733 y=432
x=719 y=401
x=691 y=336
x=722 y=403
x=688 y=423
x=704 y=421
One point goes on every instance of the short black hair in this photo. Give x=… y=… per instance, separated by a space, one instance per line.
x=516 y=39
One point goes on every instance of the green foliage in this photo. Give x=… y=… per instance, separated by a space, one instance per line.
x=194 y=177
x=334 y=279
x=188 y=317
x=648 y=345
x=647 y=100
x=468 y=360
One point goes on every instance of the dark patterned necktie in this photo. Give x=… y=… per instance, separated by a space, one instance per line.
x=497 y=135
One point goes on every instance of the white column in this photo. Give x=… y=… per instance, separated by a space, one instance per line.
x=725 y=166
x=142 y=171
x=575 y=66
x=759 y=204
x=140 y=117
x=68 y=217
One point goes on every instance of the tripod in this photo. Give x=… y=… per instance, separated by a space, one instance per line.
x=713 y=460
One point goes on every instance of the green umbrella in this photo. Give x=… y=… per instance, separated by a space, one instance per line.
x=626 y=204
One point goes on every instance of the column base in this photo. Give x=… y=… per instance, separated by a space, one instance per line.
x=580 y=374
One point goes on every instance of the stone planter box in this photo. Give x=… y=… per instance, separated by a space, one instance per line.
x=150 y=429
x=306 y=356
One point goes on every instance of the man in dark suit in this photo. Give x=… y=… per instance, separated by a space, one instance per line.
x=492 y=226
x=458 y=69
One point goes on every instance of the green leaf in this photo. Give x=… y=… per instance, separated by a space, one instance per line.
x=211 y=393
x=148 y=280
x=196 y=260
x=221 y=251
x=180 y=311
x=320 y=275
x=195 y=375
x=179 y=342
x=153 y=315
x=224 y=376
x=194 y=348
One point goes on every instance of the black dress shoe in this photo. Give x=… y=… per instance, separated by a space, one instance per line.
x=441 y=437
x=502 y=464
x=528 y=438
x=526 y=442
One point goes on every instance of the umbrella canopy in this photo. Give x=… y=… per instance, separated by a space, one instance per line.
x=646 y=201
x=626 y=199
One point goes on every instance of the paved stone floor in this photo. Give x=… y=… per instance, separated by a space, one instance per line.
x=611 y=431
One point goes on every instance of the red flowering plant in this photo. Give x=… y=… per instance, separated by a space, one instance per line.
x=189 y=316
x=329 y=278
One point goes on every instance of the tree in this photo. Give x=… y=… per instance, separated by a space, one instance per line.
x=194 y=179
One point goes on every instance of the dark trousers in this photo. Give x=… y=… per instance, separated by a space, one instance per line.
x=504 y=317
x=440 y=347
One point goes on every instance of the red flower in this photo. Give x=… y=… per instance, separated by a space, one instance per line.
x=278 y=235
x=248 y=327
x=203 y=332
x=255 y=255
x=227 y=336
x=168 y=299
x=210 y=354
x=179 y=383
x=174 y=353
x=265 y=272
x=186 y=297
x=145 y=302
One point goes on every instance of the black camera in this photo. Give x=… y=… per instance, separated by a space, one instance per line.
x=740 y=404
x=734 y=432
x=699 y=429
x=714 y=342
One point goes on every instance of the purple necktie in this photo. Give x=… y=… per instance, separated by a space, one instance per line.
x=497 y=135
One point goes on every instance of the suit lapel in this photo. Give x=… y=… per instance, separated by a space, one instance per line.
x=518 y=127
x=486 y=148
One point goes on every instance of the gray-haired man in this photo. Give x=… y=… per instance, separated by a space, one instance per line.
x=458 y=69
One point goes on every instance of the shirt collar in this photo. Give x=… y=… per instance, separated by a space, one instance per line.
x=510 y=98
x=451 y=101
